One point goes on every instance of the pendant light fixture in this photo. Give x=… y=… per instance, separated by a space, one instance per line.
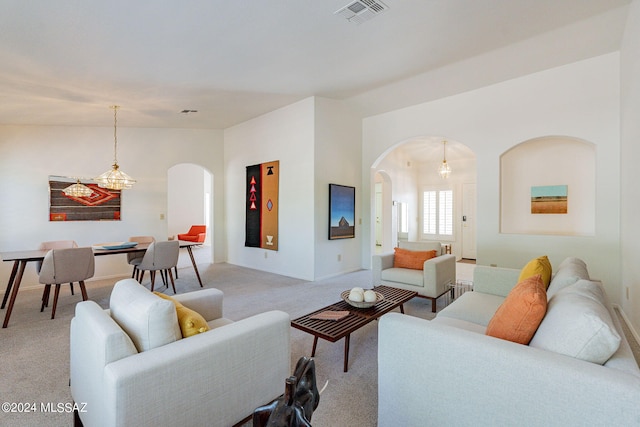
x=115 y=179
x=77 y=190
x=444 y=170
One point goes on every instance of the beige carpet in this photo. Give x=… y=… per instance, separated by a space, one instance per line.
x=34 y=349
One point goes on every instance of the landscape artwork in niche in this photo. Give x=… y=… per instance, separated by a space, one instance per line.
x=101 y=205
x=342 y=212
x=261 y=217
x=549 y=199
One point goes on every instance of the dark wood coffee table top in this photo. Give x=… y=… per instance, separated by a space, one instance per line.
x=333 y=330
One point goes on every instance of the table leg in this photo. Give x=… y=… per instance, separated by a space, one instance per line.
x=315 y=343
x=14 y=293
x=195 y=267
x=10 y=284
x=402 y=308
x=346 y=352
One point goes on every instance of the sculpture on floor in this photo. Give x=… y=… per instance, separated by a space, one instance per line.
x=295 y=407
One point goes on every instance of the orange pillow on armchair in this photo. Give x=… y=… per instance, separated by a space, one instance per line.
x=404 y=258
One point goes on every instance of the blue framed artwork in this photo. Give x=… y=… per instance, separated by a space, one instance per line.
x=342 y=212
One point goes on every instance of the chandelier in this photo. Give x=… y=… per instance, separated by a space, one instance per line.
x=444 y=170
x=115 y=179
x=77 y=190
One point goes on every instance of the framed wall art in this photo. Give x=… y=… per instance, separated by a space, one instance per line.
x=342 y=211
x=261 y=216
x=549 y=199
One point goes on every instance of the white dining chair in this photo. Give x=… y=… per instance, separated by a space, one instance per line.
x=65 y=266
x=55 y=244
x=160 y=256
x=135 y=258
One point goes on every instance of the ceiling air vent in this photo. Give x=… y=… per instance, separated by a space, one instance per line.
x=360 y=11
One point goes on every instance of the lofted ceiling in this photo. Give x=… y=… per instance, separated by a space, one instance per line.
x=65 y=62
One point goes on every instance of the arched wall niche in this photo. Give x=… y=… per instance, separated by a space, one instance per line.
x=548 y=161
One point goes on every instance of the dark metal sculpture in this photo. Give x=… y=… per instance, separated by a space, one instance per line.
x=295 y=407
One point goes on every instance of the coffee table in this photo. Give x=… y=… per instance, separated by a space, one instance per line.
x=333 y=330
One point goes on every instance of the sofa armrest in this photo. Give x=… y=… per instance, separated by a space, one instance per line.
x=96 y=340
x=494 y=280
x=379 y=263
x=207 y=302
x=499 y=384
x=438 y=273
x=222 y=374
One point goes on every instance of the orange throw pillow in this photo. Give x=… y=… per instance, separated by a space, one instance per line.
x=404 y=258
x=521 y=312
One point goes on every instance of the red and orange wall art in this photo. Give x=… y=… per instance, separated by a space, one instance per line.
x=101 y=205
x=262 y=206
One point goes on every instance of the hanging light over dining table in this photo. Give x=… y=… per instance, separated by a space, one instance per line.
x=115 y=179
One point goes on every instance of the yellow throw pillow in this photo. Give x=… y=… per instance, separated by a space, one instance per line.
x=541 y=266
x=405 y=258
x=521 y=312
x=191 y=322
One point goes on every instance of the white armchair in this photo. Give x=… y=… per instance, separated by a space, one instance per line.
x=215 y=378
x=431 y=282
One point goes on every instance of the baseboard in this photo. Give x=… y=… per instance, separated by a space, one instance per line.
x=626 y=320
x=329 y=276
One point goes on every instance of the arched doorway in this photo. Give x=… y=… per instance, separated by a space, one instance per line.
x=189 y=202
x=404 y=173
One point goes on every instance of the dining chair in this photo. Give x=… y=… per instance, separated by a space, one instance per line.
x=65 y=266
x=135 y=258
x=55 y=244
x=160 y=256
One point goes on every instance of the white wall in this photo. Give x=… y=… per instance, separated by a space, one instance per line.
x=338 y=138
x=630 y=158
x=579 y=100
x=29 y=154
x=186 y=188
x=287 y=135
x=403 y=175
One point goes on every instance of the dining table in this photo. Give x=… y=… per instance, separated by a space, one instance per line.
x=22 y=258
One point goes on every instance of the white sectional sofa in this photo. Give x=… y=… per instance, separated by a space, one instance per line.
x=431 y=281
x=448 y=372
x=130 y=365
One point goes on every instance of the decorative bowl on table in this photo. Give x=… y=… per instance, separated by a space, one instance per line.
x=362 y=304
x=115 y=245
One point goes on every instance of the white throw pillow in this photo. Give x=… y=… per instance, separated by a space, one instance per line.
x=569 y=272
x=149 y=320
x=578 y=324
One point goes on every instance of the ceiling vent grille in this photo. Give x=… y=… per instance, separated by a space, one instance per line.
x=360 y=11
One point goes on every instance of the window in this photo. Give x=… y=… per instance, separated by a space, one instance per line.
x=437 y=213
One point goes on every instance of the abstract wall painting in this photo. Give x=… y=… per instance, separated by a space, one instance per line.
x=101 y=205
x=261 y=219
x=342 y=212
x=549 y=199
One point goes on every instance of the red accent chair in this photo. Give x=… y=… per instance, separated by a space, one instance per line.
x=196 y=233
